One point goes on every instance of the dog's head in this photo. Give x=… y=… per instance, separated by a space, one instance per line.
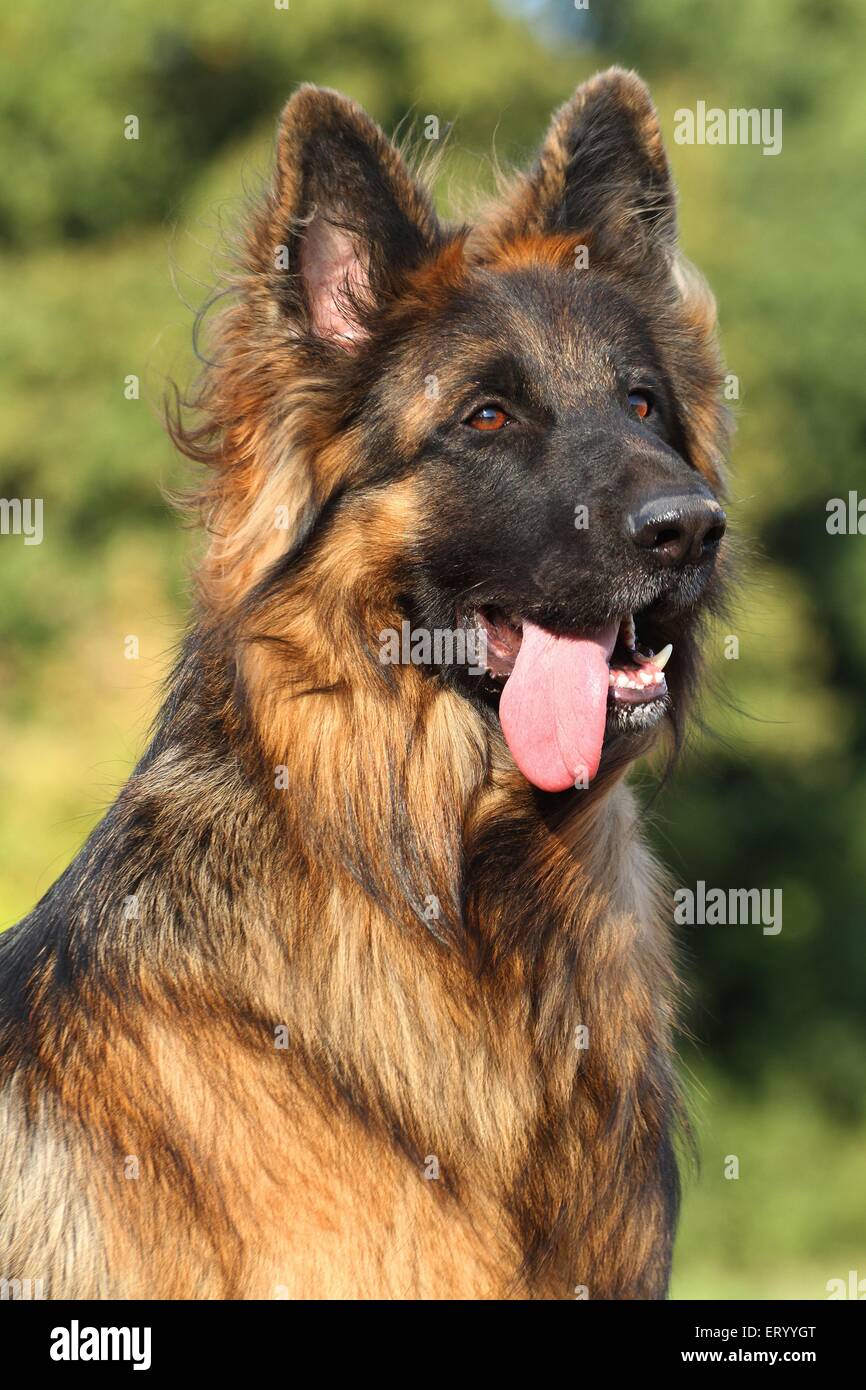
x=539 y=396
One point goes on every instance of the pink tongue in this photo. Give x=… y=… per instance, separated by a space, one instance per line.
x=554 y=706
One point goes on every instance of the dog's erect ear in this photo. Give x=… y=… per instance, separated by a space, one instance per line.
x=602 y=170
x=345 y=219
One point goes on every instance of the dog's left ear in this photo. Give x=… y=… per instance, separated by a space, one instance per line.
x=344 y=221
x=602 y=170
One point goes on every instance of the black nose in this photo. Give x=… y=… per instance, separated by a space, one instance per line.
x=678 y=530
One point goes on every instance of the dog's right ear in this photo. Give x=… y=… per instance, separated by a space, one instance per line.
x=344 y=220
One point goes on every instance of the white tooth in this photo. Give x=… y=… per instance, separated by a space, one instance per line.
x=628 y=633
x=661 y=659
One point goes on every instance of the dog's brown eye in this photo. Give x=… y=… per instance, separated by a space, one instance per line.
x=489 y=417
x=640 y=403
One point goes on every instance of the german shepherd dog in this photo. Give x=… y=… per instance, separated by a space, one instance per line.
x=364 y=987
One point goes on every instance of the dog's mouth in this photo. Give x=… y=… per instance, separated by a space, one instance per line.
x=559 y=696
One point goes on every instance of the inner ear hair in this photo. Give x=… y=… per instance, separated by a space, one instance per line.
x=335 y=271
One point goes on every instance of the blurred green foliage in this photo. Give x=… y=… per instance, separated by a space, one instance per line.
x=108 y=242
